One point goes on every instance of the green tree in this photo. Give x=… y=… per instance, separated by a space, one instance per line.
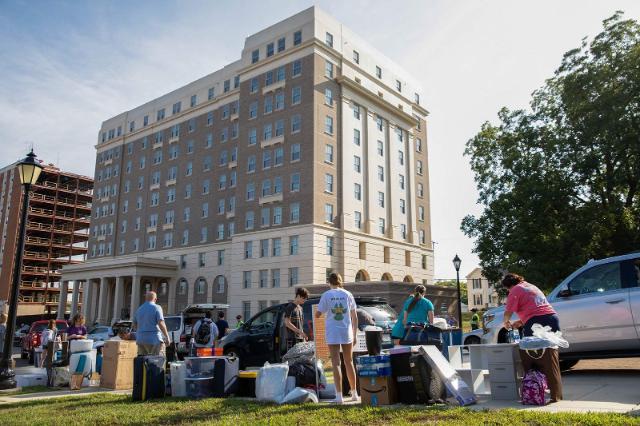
x=560 y=182
x=453 y=284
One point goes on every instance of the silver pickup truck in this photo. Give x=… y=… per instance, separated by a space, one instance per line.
x=599 y=310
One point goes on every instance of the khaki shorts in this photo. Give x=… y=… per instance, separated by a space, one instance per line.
x=146 y=349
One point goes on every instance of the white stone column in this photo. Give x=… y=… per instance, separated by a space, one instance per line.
x=102 y=301
x=135 y=295
x=118 y=299
x=62 y=302
x=75 y=296
x=171 y=296
x=87 y=303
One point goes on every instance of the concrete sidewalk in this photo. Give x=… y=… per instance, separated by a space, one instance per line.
x=614 y=391
x=12 y=399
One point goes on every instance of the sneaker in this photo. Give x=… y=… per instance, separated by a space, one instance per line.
x=337 y=400
x=354 y=396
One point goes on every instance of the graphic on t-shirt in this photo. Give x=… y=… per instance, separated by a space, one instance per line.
x=338 y=312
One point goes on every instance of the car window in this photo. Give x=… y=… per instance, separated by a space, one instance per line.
x=172 y=323
x=598 y=279
x=38 y=328
x=381 y=312
x=264 y=322
x=99 y=330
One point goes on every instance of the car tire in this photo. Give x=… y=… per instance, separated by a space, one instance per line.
x=568 y=364
x=472 y=340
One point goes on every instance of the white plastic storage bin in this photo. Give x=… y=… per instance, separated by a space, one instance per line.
x=200 y=366
x=178 y=376
x=89 y=366
x=82 y=345
x=24 y=380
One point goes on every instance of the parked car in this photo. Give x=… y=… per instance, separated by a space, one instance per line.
x=599 y=310
x=262 y=338
x=31 y=340
x=174 y=325
x=189 y=316
x=20 y=333
x=473 y=337
x=100 y=333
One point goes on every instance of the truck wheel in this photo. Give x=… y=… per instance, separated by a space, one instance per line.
x=568 y=364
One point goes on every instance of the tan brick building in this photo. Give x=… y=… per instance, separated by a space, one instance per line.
x=308 y=154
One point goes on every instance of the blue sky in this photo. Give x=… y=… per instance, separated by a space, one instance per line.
x=67 y=66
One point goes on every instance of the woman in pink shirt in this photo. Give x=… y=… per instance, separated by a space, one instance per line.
x=529 y=303
x=532 y=307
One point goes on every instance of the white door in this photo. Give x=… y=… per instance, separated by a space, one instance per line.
x=597 y=315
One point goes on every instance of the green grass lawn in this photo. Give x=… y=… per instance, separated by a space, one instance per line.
x=110 y=409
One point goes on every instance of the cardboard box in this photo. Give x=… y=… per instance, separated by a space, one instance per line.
x=117 y=364
x=377 y=390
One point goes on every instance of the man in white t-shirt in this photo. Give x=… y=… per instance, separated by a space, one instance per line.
x=205 y=338
x=341 y=326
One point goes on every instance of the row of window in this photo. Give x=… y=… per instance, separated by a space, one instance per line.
x=269 y=278
x=280 y=45
x=275 y=102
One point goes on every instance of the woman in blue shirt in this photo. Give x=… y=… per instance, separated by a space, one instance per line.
x=418 y=308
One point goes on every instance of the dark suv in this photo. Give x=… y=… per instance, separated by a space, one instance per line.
x=262 y=338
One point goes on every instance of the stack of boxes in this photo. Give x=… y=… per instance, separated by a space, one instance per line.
x=377 y=386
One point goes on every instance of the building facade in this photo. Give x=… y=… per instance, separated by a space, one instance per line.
x=309 y=154
x=480 y=292
x=57 y=232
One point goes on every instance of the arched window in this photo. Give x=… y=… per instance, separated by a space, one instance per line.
x=386 y=277
x=220 y=284
x=408 y=279
x=182 y=287
x=201 y=286
x=163 y=289
x=362 y=275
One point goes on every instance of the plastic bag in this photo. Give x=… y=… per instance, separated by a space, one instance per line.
x=300 y=351
x=299 y=396
x=535 y=343
x=271 y=382
x=555 y=338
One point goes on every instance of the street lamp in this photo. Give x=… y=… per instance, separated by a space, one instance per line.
x=29 y=170
x=456 y=264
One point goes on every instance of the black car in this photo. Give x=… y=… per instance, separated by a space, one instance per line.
x=262 y=338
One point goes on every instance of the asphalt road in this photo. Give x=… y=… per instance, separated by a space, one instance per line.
x=608 y=364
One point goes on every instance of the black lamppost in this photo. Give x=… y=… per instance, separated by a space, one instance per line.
x=29 y=170
x=456 y=264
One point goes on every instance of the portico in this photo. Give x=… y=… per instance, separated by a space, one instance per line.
x=113 y=290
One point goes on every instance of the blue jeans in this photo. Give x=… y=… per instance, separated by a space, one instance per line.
x=549 y=319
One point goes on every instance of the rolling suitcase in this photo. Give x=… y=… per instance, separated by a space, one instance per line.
x=429 y=387
x=225 y=376
x=401 y=372
x=148 y=377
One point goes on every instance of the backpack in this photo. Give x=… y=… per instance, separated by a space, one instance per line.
x=534 y=384
x=204 y=332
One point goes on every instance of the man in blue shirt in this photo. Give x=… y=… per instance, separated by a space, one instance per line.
x=151 y=331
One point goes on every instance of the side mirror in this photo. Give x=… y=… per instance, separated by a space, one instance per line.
x=565 y=293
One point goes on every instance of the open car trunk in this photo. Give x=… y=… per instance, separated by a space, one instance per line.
x=192 y=313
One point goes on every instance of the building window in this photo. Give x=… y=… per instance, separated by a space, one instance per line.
x=281 y=44
x=160 y=114
x=201 y=286
x=328 y=213
x=328 y=96
x=402 y=206
x=381 y=173
x=380 y=148
x=421 y=213
x=270 y=50
x=279 y=101
x=381 y=199
x=356 y=137
x=295 y=123
x=403 y=232
x=211 y=93
x=277 y=215
x=356 y=57
x=401 y=158
x=378 y=72
x=329 y=246
x=418 y=145
x=381 y=225
x=265 y=217
x=416 y=98
x=248 y=249
x=202 y=260
x=401 y=181
x=398 y=85
x=249 y=220
x=328 y=125
x=387 y=254
x=357 y=219
x=227 y=86
x=328 y=183
x=357 y=164
x=246 y=279
x=297 y=38
x=328 y=69
x=328 y=153
x=251 y=191
x=419 y=167
x=176 y=108
x=293 y=245
x=276 y=247
x=357 y=191
x=356 y=111
x=293 y=276
x=295 y=182
x=295 y=152
x=296 y=95
x=328 y=39
x=220 y=257
x=294 y=213
x=264 y=278
x=275 y=278
x=296 y=68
